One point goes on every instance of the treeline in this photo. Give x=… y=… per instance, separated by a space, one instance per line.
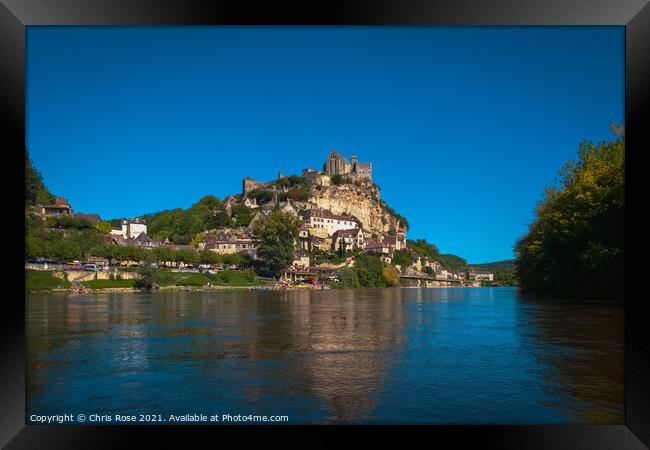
x=424 y=248
x=368 y=272
x=79 y=245
x=181 y=225
x=35 y=190
x=576 y=242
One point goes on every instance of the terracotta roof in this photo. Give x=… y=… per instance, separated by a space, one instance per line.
x=327 y=214
x=59 y=203
x=353 y=233
x=374 y=243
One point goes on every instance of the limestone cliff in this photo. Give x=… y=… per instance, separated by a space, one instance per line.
x=360 y=199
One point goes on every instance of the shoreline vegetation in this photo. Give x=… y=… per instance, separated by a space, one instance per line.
x=576 y=242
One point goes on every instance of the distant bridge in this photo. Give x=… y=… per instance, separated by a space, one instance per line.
x=423 y=280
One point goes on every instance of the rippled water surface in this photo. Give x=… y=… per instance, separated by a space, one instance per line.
x=484 y=355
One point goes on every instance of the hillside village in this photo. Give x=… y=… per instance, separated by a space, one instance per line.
x=341 y=217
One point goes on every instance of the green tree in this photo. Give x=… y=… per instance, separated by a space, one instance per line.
x=337 y=179
x=575 y=244
x=102 y=227
x=242 y=215
x=35 y=190
x=277 y=233
x=391 y=276
x=370 y=271
x=402 y=258
x=348 y=279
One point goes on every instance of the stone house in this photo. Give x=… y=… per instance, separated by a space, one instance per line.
x=59 y=208
x=353 y=239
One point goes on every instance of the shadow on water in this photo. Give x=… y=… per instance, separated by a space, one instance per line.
x=341 y=356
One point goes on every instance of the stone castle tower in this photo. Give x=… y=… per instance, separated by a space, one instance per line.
x=336 y=164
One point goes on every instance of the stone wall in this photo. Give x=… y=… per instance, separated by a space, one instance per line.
x=82 y=275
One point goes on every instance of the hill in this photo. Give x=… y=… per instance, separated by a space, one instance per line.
x=504 y=266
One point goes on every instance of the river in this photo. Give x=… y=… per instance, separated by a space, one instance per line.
x=436 y=356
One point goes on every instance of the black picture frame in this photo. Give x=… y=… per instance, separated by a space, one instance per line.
x=15 y=15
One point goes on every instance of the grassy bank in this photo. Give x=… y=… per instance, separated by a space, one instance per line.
x=225 y=278
x=36 y=280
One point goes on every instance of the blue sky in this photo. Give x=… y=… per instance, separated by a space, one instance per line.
x=464 y=126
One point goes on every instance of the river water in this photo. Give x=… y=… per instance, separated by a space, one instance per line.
x=437 y=356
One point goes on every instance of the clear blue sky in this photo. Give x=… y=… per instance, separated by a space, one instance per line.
x=464 y=126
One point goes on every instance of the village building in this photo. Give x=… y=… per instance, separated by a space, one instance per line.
x=336 y=164
x=130 y=228
x=288 y=207
x=325 y=219
x=250 y=203
x=350 y=239
x=379 y=247
x=300 y=259
x=319 y=239
x=480 y=275
x=59 y=208
x=229 y=244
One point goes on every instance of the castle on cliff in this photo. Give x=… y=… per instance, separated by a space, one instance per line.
x=336 y=164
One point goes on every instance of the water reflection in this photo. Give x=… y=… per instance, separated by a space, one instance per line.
x=388 y=355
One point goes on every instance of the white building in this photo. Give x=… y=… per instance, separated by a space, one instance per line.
x=131 y=228
x=324 y=219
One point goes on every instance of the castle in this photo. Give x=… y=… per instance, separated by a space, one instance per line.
x=336 y=164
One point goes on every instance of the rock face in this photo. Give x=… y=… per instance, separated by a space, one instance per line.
x=359 y=199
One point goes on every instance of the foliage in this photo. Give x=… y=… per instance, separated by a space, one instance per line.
x=424 y=248
x=452 y=261
x=147 y=278
x=277 y=233
x=57 y=245
x=391 y=276
x=320 y=257
x=181 y=225
x=575 y=244
x=262 y=196
x=68 y=222
x=506 y=266
x=337 y=179
x=348 y=279
x=102 y=227
x=36 y=280
x=242 y=215
x=36 y=193
x=402 y=258
x=370 y=271
x=298 y=194
x=428 y=270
